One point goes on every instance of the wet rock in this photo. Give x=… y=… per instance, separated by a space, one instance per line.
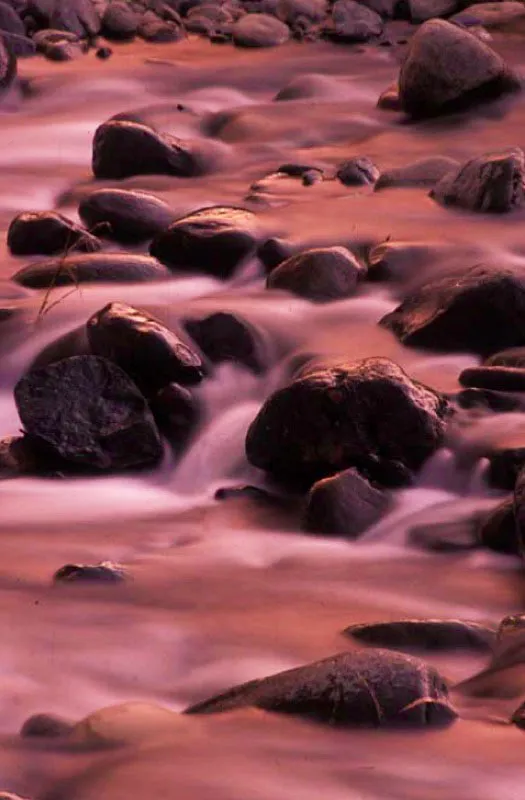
x=273 y=252
x=321 y=275
x=446 y=537
x=212 y=240
x=8 y=66
x=358 y=171
x=17 y=457
x=45 y=726
x=47 y=233
x=126 y=724
x=505 y=466
x=122 y=149
x=259 y=30
x=290 y=11
x=491 y=15
x=62 y=50
x=105 y=572
x=227 y=337
x=498 y=530
x=512 y=357
x=421 y=10
x=401 y=260
x=389 y=100
x=426 y=172
x=334 y=418
x=153 y=29
x=371 y=688
x=486 y=183
x=125 y=215
x=519 y=511
x=509 y=379
x=449 y=69
x=104 y=53
x=10 y=21
x=491 y=400
x=481 y=310
x=76 y=16
x=311 y=86
x=425 y=634
x=353 y=22
x=149 y=352
x=345 y=504
x=90 y=268
x=73 y=343
x=20 y=46
x=237 y=492
x=89 y=413
x=120 y=21
x=176 y=412
x=518 y=717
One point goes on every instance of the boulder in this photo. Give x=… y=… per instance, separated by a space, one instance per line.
x=212 y=240
x=46 y=233
x=448 y=69
x=88 y=413
x=149 y=352
x=505 y=379
x=354 y=22
x=372 y=688
x=421 y=10
x=120 y=21
x=92 y=268
x=125 y=215
x=481 y=310
x=345 y=504
x=227 y=337
x=321 y=275
x=259 y=30
x=76 y=16
x=498 y=529
x=290 y=11
x=425 y=634
x=365 y=414
x=492 y=182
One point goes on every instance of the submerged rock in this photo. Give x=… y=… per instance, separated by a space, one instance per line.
x=45 y=726
x=127 y=724
x=125 y=215
x=321 y=275
x=372 y=688
x=90 y=268
x=365 y=414
x=425 y=634
x=46 y=233
x=227 y=337
x=426 y=172
x=511 y=357
x=448 y=69
x=176 y=412
x=498 y=531
x=259 y=30
x=212 y=240
x=88 y=413
x=105 y=572
x=505 y=379
x=486 y=183
x=481 y=310
x=446 y=537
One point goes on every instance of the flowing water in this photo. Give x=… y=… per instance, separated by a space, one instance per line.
x=224 y=592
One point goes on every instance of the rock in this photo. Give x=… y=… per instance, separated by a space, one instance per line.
x=62 y=51
x=512 y=357
x=17 y=457
x=73 y=343
x=259 y=30
x=403 y=260
x=90 y=268
x=425 y=634
x=505 y=466
x=371 y=688
x=239 y=492
x=21 y=47
x=345 y=504
x=45 y=726
x=105 y=572
x=486 y=183
x=10 y=21
x=491 y=15
x=481 y=310
x=125 y=215
x=47 y=233
x=354 y=22
x=104 y=53
x=518 y=717
x=122 y=149
x=176 y=413
x=126 y=724
x=290 y=11
x=489 y=399
x=120 y=21
x=273 y=252
x=446 y=537
x=320 y=275
x=426 y=172
x=421 y=10
x=448 y=69
x=89 y=413
x=153 y=29
x=149 y=352
x=312 y=86
x=334 y=418
x=357 y=171
x=212 y=240
x=8 y=66
x=76 y=16
x=519 y=511
x=497 y=530
x=509 y=379
x=227 y=337
x=389 y=100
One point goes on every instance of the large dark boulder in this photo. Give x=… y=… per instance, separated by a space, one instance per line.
x=212 y=240
x=481 y=310
x=447 y=69
x=151 y=354
x=321 y=275
x=46 y=233
x=122 y=149
x=224 y=336
x=372 y=688
x=125 y=215
x=89 y=413
x=345 y=504
x=425 y=634
x=365 y=414
x=92 y=268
